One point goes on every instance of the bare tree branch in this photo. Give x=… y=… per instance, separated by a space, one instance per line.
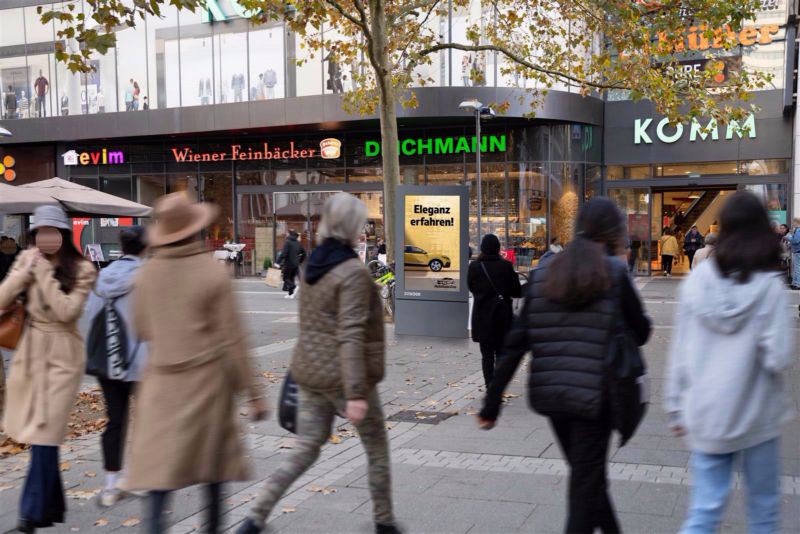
x=361 y=24
x=415 y=6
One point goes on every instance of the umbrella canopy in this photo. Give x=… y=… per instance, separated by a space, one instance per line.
x=19 y=201
x=79 y=199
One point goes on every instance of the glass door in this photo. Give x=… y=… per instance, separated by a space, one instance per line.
x=635 y=206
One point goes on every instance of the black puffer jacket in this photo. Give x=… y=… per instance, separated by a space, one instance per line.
x=568 y=346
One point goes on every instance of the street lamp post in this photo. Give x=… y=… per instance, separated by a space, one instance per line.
x=480 y=111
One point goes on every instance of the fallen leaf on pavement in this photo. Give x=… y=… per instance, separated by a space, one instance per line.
x=65 y=466
x=289 y=510
x=9 y=447
x=510 y=396
x=286 y=444
x=132 y=522
x=3 y=488
x=83 y=495
x=321 y=489
x=101 y=522
x=335 y=439
x=90 y=474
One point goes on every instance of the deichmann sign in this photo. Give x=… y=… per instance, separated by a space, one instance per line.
x=666 y=133
x=441 y=145
x=97 y=157
x=329 y=148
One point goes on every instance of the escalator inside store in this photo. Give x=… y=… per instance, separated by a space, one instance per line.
x=675 y=213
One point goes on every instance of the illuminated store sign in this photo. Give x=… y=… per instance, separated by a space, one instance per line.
x=7 y=169
x=441 y=145
x=101 y=157
x=329 y=148
x=695 y=38
x=667 y=133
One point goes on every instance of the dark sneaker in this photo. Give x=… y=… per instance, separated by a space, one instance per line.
x=383 y=528
x=249 y=527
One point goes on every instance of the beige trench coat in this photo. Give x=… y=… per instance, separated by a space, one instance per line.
x=185 y=429
x=50 y=361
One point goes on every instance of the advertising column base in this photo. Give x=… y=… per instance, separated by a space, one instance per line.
x=431 y=318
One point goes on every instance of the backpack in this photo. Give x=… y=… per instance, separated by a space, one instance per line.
x=107 y=344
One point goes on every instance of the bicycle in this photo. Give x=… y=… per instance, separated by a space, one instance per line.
x=383 y=275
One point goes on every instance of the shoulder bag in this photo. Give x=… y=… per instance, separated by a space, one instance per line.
x=626 y=372
x=12 y=324
x=289 y=404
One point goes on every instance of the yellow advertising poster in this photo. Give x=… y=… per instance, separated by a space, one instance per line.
x=432 y=255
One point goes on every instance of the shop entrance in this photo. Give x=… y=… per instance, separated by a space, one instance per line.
x=654 y=212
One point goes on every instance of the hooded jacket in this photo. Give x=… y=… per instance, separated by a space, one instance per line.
x=116 y=282
x=731 y=346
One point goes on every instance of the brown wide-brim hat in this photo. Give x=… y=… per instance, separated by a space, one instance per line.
x=178 y=219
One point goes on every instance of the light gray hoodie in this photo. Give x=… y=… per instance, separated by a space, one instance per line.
x=116 y=282
x=725 y=373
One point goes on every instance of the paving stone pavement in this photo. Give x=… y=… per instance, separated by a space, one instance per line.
x=447 y=478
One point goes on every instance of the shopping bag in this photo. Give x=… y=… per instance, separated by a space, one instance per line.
x=289 y=404
x=274 y=277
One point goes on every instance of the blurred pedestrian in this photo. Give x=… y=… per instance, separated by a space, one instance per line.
x=575 y=301
x=48 y=365
x=185 y=429
x=669 y=249
x=794 y=244
x=692 y=243
x=110 y=303
x=291 y=256
x=493 y=283
x=554 y=248
x=710 y=244
x=732 y=347
x=337 y=363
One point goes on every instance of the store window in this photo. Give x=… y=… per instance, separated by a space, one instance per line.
x=527 y=213
x=117 y=186
x=452 y=174
x=775 y=198
x=629 y=172
x=149 y=188
x=493 y=206
x=635 y=205
x=230 y=62
x=197 y=62
x=267 y=74
x=256 y=228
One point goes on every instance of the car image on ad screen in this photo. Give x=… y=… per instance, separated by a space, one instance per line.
x=417 y=257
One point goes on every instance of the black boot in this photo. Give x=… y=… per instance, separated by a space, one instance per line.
x=249 y=527
x=386 y=528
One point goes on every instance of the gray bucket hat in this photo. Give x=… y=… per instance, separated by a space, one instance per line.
x=50 y=216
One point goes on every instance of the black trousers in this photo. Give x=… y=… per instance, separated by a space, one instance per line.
x=489 y=354
x=42 y=502
x=584 y=443
x=159 y=500
x=690 y=254
x=118 y=395
x=666 y=263
x=289 y=275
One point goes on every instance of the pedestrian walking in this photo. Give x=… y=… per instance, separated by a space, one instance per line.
x=710 y=244
x=575 y=301
x=794 y=244
x=48 y=365
x=291 y=256
x=669 y=249
x=185 y=429
x=554 y=248
x=337 y=363
x=732 y=346
x=493 y=283
x=119 y=354
x=692 y=243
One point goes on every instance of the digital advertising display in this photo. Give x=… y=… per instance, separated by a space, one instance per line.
x=431 y=252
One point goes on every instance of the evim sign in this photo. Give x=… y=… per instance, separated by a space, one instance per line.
x=643 y=132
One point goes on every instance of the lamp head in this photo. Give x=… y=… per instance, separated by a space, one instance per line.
x=487 y=112
x=471 y=105
x=4 y=132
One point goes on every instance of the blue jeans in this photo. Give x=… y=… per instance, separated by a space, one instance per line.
x=712 y=484
x=796 y=269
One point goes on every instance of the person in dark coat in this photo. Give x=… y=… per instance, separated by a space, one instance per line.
x=292 y=255
x=692 y=243
x=572 y=303
x=493 y=283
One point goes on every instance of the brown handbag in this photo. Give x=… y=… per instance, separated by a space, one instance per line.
x=12 y=324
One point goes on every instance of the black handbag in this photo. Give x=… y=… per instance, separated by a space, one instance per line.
x=289 y=404
x=626 y=372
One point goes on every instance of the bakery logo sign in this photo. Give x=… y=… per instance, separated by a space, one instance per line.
x=96 y=157
x=329 y=148
x=644 y=132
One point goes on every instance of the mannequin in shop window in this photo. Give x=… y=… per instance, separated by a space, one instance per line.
x=466 y=61
x=204 y=91
x=100 y=101
x=24 y=106
x=41 y=87
x=10 y=102
x=136 y=92
x=237 y=86
x=334 y=82
x=64 y=104
x=270 y=81
x=129 y=96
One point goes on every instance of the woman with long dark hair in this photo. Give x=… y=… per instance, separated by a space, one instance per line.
x=733 y=345
x=493 y=283
x=49 y=362
x=572 y=304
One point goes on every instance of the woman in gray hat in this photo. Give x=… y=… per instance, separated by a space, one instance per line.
x=50 y=360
